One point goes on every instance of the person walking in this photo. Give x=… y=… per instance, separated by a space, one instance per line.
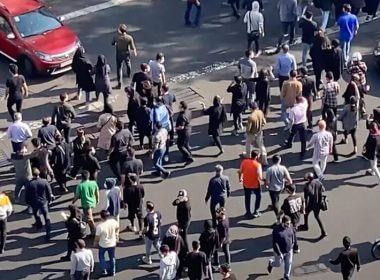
x=372 y=149
x=290 y=90
x=350 y=118
x=325 y=6
x=16 y=90
x=309 y=27
x=47 y=133
x=160 y=146
x=283 y=241
x=196 y=263
x=113 y=198
x=106 y=237
x=356 y=6
x=322 y=142
x=5 y=211
x=285 y=62
x=348 y=28
x=183 y=213
x=157 y=72
x=102 y=79
x=334 y=60
x=63 y=114
x=18 y=132
x=332 y=127
x=318 y=51
x=255 y=27
x=225 y=271
x=183 y=128
x=120 y=141
x=169 y=263
x=83 y=70
x=134 y=198
x=218 y=190
x=124 y=45
x=82 y=262
x=248 y=71
x=132 y=109
x=79 y=151
x=330 y=95
x=309 y=92
x=88 y=193
x=238 y=105
x=190 y=4
x=107 y=128
x=38 y=195
x=60 y=162
x=298 y=119
x=131 y=165
x=217 y=118
x=288 y=16
x=313 y=195
x=348 y=259
x=235 y=6
x=262 y=89
x=254 y=132
x=144 y=123
x=90 y=162
x=223 y=227
x=168 y=99
x=352 y=89
x=139 y=78
x=275 y=179
x=250 y=174
x=152 y=231
x=209 y=244
x=41 y=159
x=371 y=9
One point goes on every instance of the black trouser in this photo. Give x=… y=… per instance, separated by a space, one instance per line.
x=237 y=120
x=66 y=130
x=325 y=108
x=3 y=234
x=116 y=163
x=120 y=59
x=131 y=124
x=82 y=275
x=317 y=69
x=39 y=209
x=316 y=212
x=135 y=213
x=275 y=199
x=142 y=135
x=352 y=132
x=347 y=275
x=183 y=228
x=247 y=199
x=183 y=144
x=10 y=104
x=295 y=245
x=60 y=177
x=253 y=37
x=70 y=246
x=264 y=106
x=16 y=146
x=285 y=28
x=217 y=141
x=334 y=151
x=226 y=251
x=158 y=85
x=281 y=80
x=309 y=111
x=78 y=162
x=235 y=5
x=300 y=128
x=221 y=202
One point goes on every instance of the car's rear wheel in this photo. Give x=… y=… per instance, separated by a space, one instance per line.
x=27 y=67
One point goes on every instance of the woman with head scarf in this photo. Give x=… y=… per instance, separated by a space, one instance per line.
x=102 y=78
x=107 y=128
x=217 y=117
x=371 y=149
x=75 y=229
x=350 y=117
x=332 y=127
x=83 y=70
x=255 y=26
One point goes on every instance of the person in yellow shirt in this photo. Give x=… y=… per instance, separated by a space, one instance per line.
x=5 y=211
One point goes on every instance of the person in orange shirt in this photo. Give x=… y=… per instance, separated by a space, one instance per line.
x=250 y=174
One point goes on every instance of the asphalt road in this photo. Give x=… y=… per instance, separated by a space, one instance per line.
x=353 y=202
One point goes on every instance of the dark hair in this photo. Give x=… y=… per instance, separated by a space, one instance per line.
x=13 y=68
x=58 y=139
x=158 y=125
x=159 y=56
x=123 y=28
x=347 y=7
x=164 y=248
x=149 y=205
x=85 y=174
x=216 y=101
x=207 y=224
x=104 y=214
x=335 y=43
x=248 y=53
x=165 y=87
x=253 y=105
x=308 y=14
x=132 y=177
x=276 y=159
x=330 y=75
x=195 y=244
x=183 y=104
x=285 y=219
x=143 y=101
x=262 y=74
x=130 y=152
x=45 y=121
x=346 y=241
x=291 y=188
x=158 y=100
x=119 y=125
x=62 y=96
x=144 y=66
x=225 y=268
x=129 y=90
x=87 y=146
x=302 y=70
x=108 y=108
x=80 y=243
x=353 y=103
x=35 y=172
x=36 y=142
x=238 y=79
x=293 y=74
x=254 y=154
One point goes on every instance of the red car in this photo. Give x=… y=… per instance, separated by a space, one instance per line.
x=34 y=38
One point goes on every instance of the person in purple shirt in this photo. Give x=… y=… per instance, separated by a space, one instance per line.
x=349 y=25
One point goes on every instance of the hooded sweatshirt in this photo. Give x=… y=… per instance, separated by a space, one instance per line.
x=254 y=19
x=168 y=266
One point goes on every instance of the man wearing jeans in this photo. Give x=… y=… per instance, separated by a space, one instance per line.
x=107 y=235
x=159 y=143
x=308 y=27
x=283 y=242
x=288 y=16
x=152 y=231
x=250 y=174
x=349 y=25
x=197 y=4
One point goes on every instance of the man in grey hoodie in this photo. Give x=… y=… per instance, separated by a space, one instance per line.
x=288 y=16
x=168 y=264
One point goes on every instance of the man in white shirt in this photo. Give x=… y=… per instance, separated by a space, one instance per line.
x=18 y=132
x=157 y=71
x=322 y=142
x=298 y=119
x=107 y=235
x=82 y=261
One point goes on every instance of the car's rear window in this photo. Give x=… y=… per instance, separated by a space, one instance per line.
x=36 y=22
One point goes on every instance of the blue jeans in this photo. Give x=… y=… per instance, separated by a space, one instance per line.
x=42 y=209
x=188 y=11
x=247 y=198
x=157 y=160
x=325 y=19
x=305 y=53
x=346 y=47
x=287 y=260
x=284 y=114
x=111 y=266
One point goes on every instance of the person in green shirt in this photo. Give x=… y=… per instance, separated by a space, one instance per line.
x=88 y=193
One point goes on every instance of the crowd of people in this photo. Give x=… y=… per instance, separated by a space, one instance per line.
x=57 y=157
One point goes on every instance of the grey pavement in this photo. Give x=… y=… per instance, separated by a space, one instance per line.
x=353 y=202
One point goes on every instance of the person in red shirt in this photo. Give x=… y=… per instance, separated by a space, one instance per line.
x=250 y=174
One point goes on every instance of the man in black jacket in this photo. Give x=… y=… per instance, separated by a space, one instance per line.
x=196 y=262
x=38 y=195
x=78 y=149
x=309 y=91
x=90 y=162
x=62 y=116
x=183 y=129
x=183 y=214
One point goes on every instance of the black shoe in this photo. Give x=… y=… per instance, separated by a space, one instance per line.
x=166 y=175
x=248 y=215
x=287 y=145
x=117 y=87
x=303 y=228
x=65 y=259
x=269 y=268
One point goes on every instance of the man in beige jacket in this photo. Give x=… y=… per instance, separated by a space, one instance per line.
x=290 y=90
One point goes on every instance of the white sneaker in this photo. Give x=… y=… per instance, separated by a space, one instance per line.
x=146 y=260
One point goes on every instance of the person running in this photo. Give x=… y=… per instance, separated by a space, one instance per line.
x=217 y=118
x=288 y=14
x=283 y=242
x=223 y=227
x=225 y=271
x=196 y=263
x=169 y=263
x=124 y=44
x=16 y=90
x=255 y=27
x=88 y=193
x=190 y=4
x=285 y=62
x=5 y=211
x=160 y=146
x=276 y=176
x=134 y=198
x=218 y=190
x=308 y=26
x=47 y=133
x=157 y=72
x=238 y=105
x=330 y=95
x=350 y=118
x=139 y=78
x=182 y=202
x=248 y=71
x=152 y=231
x=309 y=91
x=348 y=259
x=60 y=162
x=313 y=193
x=102 y=79
x=322 y=142
x=290 y=90
x=183 y=128
x=106 y=237
x=82 y=262
x=38 y=195
x=18 y=132
x=63 y=114
x=250 y=175
x=209 y=244
x=144 y=123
